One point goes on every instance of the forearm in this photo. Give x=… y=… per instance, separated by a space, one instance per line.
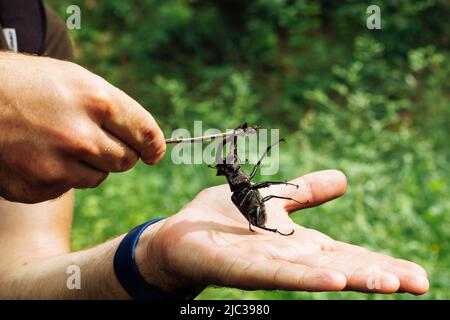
x=47 y=277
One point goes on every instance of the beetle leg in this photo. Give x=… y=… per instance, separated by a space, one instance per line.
x=250 y=227
x=221 y=146
x=266 y=184
x=270 y=229
x=286 y=198
x=255 y=168
x=232 y=157
x=276 y=231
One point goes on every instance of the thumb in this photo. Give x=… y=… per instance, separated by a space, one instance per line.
x=314 y=189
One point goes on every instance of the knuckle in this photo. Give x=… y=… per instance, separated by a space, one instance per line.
x=127 y=161
x=86 y=148
x=99 y=100
x=78 y=140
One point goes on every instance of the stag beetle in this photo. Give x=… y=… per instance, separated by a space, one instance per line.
x=245 y=194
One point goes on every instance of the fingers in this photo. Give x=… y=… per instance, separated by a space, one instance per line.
x=314 y=189
x=357 y=278
x=135 y=126
x=350 y=248
x=371 y=280
x=374 y=276
x=54 y=181
x=86 y=177
x=25 y=192
x=412 y=277
x=411 y=282
x=283 y=275
x=366 y=272
x=111 y=154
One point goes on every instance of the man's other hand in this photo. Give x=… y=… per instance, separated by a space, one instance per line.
x=63 y=127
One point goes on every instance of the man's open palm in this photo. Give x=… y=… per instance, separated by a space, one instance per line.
x=209 y=242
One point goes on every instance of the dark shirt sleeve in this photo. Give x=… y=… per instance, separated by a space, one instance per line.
x=57 y=41
x=52 y=40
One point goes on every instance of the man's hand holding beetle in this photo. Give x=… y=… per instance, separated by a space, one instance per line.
x=208 y=242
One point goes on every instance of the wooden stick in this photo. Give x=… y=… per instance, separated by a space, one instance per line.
x=237 y=132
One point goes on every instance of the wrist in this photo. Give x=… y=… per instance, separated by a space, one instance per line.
x=141 y=269
x=148 y=260
x=148 y=268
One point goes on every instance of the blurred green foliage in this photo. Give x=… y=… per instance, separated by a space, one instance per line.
x=372 y=103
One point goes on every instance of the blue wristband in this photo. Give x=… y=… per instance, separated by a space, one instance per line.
x=128 y=273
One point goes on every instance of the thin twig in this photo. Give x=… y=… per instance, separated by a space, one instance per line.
x=237 y=132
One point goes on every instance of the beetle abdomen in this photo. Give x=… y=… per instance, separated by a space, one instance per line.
x=250 y=204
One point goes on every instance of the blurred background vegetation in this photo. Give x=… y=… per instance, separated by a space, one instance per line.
x=372 y=103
